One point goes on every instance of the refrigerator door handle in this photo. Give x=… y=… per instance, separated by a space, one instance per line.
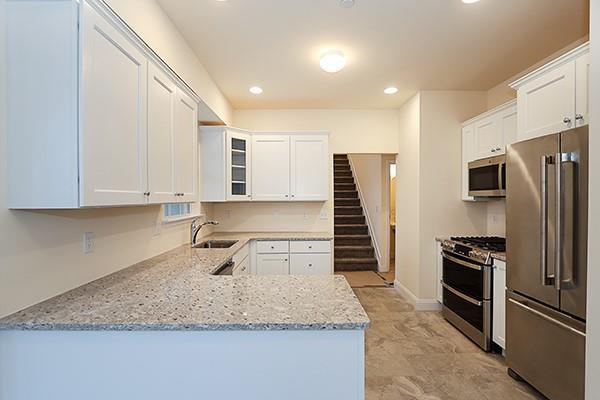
x=546 y=317
x=566 y=219
x=546 y=280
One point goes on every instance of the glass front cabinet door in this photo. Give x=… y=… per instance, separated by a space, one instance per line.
x=238 y=166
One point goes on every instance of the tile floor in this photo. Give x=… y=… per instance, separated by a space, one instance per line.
x=419 y=356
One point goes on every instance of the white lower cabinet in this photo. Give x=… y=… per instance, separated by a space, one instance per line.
x=272 y=264
x=499 y=305
x=310 y=264
x=243 y=268
x=440 y=272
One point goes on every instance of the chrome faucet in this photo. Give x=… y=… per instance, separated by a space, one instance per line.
x=195 y=228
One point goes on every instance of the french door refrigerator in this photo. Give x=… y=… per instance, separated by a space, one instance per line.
x=546 y=239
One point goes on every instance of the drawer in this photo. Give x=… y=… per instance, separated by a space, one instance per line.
x=310 y=246
x=273 y=247
x=243 y=268
x=241 y=255
x=310 y=264
x=272 y=264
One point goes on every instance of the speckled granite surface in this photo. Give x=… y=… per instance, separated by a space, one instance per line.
x=175 y=291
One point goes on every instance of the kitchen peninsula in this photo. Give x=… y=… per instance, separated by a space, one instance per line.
x=167 y=328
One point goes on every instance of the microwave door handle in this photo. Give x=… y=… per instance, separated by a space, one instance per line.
x=500 y=183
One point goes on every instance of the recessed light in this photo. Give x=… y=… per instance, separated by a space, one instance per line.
x=256 y=90
x=333 y=61
x=390 y=90
x=347 y=3
x=470 y=1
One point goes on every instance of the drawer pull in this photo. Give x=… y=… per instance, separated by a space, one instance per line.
x=310 y=265
x=462 y=296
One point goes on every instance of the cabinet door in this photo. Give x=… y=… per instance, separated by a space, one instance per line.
x=271 y=167
x=243 y=268
x=162 y=94
x=547 y=104
x=185 y=145
x=239 y=170
x=440 y=272
x=309 y=168
x=468 y=150
x=499 y=306
x=488 y=137
x=310 y=264
x=508 y=125
x=272 y=264
x=113 y=150
x=582 y=90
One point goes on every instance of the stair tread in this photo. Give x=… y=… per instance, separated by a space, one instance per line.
x=352 y=225
x=356 y=260
x=349 y=236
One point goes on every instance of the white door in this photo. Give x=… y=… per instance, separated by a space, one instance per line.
x=499 y=311
x=508 y=124
x=309 y=168
x=468 y=155
x=582 y=90
x=310 y=264
x=162 y=94
x=546 y=105
x=488 y=137
x=272 y=264
x=270 y=167
x=113 y=152
x=185 y=145
x=239 y=170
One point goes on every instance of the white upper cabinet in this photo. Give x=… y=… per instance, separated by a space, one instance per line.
x=554 y=97
x=118 y=127
x=488 y=137
x=270 y=167
x=239 y=165
x=309 y=167
x=162 y=94
x=185 y=145
x=113 y=137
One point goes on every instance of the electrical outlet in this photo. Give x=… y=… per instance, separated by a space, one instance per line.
x=227 y=214
x=305 y=215
x=157 y=228
x=88 y=242
x=324 y=215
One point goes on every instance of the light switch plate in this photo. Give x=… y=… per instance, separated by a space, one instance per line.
x=324 y=215
x=88 y=242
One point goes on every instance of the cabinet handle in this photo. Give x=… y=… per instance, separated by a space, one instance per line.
x=493 y=150
x=498 y=149
x=286 y=195
x=567 y=120
x=310 y=247
x=579 y=117
x=285 y=259
x=310 y=265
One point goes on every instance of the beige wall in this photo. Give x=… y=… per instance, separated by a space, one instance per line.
x=351 y=131
x=593 y=307
x=41 y=253
x=148 y=20
x=430 y=204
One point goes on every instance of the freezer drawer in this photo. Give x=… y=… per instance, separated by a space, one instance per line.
x=546 y=348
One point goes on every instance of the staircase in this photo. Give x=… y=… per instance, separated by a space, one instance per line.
x=353 y=247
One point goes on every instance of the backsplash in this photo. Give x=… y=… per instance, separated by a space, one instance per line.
x=496 y=218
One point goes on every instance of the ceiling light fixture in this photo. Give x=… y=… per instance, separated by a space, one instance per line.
x=333 y=61
x=347 y=3
x=470 y=1
x=390 y=90
x=256 y=90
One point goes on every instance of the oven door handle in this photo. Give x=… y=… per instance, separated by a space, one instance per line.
x=462 y=262
x=462 y=296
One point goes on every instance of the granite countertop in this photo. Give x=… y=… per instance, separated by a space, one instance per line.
x=499 y=256
x=175 y=292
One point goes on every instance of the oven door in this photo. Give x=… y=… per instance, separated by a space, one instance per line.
x=468 y=277
x=487 y=177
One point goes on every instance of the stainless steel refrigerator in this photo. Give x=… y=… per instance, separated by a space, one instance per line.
x=546 y=244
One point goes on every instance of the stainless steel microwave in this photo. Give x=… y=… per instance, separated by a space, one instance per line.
x=487 y=177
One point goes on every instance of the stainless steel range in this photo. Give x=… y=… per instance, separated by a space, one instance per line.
x=467 y=285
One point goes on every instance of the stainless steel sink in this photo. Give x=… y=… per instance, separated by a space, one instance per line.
x=215 y=244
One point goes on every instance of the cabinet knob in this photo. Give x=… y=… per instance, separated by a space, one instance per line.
x=310 y=265
x=310 y=247
x=498 y=149
x=567 y=120
x=579 y=117
x=493 y=150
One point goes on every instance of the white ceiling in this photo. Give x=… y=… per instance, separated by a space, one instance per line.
x=411 y=44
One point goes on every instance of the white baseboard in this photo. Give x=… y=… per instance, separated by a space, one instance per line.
x=419 y=304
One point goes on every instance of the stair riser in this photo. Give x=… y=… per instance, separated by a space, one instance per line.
x=343 y=179
x=346 y=202
x=351 y=230
x=341 y=162
x=348 y=211
x=344 y=186
x=346 y=195
x=344 y=174
x=354 y=253
x=340 y=157
x=350 y=219
x=355 y=267
x=366 y=241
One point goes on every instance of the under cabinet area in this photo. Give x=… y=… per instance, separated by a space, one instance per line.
x=554 y=97
x=239 y=165
x=122 y=131
x=293 y=258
